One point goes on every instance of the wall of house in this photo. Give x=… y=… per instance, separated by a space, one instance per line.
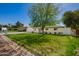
x=29 y=29
x=52 y=30
x=59 y=30
x=36 y=30
x=73 y=32
x=67 y=31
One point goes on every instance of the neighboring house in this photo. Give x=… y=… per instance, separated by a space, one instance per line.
x=52 y=30
x=4 y=29
x=22 y=29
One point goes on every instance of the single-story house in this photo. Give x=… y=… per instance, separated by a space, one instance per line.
x=53 y=30
x=22 y=29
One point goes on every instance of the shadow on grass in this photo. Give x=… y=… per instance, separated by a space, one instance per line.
x=36 y=39
x=29 y=39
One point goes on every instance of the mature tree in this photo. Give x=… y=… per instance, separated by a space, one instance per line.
x=9 y=25
x=0 y=26
x=71 y=19
x=68 y=19
x=19 y=24
x=76 y=12
x=43 y=15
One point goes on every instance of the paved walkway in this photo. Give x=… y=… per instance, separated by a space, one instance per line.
x=12 y=33
x=10 y=48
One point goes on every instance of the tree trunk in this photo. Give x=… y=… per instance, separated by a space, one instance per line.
x=42 y=30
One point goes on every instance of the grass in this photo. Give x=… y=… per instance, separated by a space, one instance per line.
x=49 y=45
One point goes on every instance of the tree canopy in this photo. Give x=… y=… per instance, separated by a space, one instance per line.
x=43 y=15
x=19 y=24
x=71 y=19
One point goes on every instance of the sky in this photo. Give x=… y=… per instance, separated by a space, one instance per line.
x=10 y=13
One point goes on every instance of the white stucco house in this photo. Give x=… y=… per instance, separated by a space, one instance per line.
x=30 y=29
x=52 y=30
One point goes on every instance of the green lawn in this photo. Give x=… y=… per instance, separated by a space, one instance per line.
x=50 y=45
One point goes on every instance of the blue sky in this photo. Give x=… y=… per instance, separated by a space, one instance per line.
x=11 y=13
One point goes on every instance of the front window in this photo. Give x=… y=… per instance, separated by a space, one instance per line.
x=55 y=28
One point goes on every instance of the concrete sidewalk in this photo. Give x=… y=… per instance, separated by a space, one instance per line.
x=13 y=33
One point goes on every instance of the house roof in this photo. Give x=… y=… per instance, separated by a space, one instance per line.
x=55 y=26
x=51 y=27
